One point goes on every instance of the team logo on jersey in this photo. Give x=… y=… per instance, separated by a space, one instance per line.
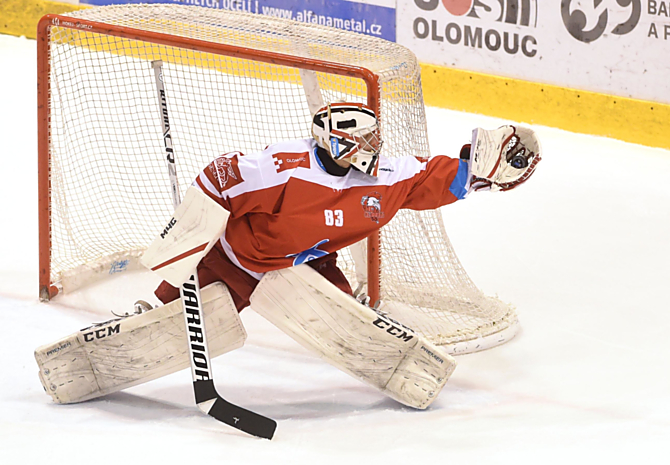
x=288 y=161
x=372 y=206
x=308 y=255
x=226 y=171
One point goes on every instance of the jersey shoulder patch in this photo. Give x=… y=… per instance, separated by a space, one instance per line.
x=225 y=170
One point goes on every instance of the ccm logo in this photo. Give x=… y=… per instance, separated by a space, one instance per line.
x=102 y=332
x=168 y=227
x=392 y=329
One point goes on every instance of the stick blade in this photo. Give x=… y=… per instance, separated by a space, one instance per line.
x=243 y=419
x=231 y=414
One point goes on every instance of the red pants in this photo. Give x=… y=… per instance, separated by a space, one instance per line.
x=216 y=266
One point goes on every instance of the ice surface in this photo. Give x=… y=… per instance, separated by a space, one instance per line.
x=582 y=250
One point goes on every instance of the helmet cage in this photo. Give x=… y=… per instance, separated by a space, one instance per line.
x=366 y=141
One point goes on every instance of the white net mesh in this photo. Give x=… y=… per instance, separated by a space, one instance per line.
x=110 y=191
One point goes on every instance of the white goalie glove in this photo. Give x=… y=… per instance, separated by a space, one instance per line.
x=503 y=158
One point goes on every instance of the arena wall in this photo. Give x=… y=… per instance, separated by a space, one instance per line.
x=599 y=71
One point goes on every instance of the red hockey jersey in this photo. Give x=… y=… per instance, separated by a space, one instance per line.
x=285 y=209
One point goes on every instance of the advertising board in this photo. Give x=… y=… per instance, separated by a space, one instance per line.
x=617 y=47
x=372 y=17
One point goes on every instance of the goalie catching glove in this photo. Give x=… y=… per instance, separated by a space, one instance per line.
x=501 y=159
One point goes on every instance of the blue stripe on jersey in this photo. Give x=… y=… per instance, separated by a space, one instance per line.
x=458 y=184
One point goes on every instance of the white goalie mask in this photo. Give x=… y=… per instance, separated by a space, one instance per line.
x=349 y=131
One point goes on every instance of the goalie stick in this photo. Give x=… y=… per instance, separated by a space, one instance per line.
x=207 y=399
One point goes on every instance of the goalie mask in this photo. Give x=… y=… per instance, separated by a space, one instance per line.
x=350 y=132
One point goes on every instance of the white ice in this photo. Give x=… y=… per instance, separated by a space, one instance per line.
x=582 y=250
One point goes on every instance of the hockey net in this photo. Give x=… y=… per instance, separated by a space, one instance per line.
x=234 y=82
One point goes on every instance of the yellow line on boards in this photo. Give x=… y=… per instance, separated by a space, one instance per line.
x=625 y=119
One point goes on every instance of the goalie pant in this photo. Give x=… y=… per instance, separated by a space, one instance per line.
x=286 y=209
x=217 y=267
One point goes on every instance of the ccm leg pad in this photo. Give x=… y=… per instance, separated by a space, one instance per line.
x=353 y=337
x=125 y=352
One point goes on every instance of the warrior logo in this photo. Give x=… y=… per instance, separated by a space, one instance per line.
x=226 y=171
x=372 y=205
x=196 y=332
x=308 y=255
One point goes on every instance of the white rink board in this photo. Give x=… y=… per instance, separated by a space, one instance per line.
x=621 y=50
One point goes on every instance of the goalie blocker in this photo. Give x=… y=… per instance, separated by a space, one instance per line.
x=364 y=343
x=196 y=225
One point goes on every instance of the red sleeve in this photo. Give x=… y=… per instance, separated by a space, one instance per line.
x=441 y=182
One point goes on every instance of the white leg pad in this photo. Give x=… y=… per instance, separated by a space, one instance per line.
x=354 y=338
x=126 y=352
